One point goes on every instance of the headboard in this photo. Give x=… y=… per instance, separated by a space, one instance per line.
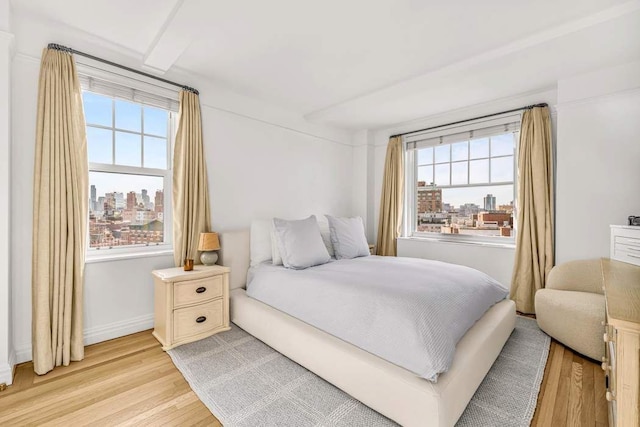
x=234 y=253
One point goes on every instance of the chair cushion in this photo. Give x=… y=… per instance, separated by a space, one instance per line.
x=573 y=318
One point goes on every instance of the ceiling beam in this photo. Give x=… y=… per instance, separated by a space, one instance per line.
x=175 y=36
x=414 y=85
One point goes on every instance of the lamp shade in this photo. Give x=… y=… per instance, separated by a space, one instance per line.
x=208 y=242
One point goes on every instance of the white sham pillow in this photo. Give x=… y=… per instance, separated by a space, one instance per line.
x=276 y=259
x=347 y=237
x=300 y=243
x=326 y=235
x=260 y=248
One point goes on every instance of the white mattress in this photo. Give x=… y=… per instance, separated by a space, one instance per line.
x=389 y=389
x=409 y=311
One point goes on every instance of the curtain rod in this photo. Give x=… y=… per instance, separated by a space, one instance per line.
x=124 y=67
x=527 y=107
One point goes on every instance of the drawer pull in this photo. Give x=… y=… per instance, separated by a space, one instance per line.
x=201 y=289
x=201 y=319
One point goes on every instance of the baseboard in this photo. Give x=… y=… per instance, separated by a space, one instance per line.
x=98 y=334
x=6 y=369
x=118 y=329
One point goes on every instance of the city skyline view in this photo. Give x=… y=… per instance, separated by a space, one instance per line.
x=107 y=182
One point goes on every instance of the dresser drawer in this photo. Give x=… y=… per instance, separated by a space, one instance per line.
x=198 y=319
x=196 y=291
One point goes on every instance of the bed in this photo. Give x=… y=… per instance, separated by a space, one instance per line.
x=392 y=390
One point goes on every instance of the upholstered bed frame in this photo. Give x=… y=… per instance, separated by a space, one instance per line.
x=383 y=386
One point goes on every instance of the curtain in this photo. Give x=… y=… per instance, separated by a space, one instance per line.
x=534 y=241
x=190 y=192
x=60 y=210
x=391 y=200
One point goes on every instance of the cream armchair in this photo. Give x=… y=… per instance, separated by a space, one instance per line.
x=571 y=308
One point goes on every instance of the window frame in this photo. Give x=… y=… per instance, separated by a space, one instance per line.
x=136 y=250
x=411 y=191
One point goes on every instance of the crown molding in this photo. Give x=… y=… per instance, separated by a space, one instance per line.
x=597 y=98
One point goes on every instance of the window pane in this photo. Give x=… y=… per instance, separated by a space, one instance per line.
x=125 y=210
x=479 y=148
x=502 y=145
x=425 y=173
x=128 y=116
x=442 y=174
x=155 y=152
x=155 y=121
x=97 y=109
x=425 y=156
x=460 y=151
x=462 y=211
x=459 y=173
x=128 y=149
x=442 y=153
x=478 y=171
x=502 y=169
x=99 y=145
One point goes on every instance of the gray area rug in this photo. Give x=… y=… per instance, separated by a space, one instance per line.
x=244 y=382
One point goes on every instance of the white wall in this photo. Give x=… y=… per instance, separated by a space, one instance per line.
x=6 y=342
x=262 y=162
x=598 y=173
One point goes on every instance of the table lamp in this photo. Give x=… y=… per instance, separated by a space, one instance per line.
x=208 y=244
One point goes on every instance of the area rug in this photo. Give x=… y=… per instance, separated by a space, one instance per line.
x=244 y=382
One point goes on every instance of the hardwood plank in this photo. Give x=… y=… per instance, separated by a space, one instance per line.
x=599 y=390
x=574 y=412
x=547 y=397
x=588 y=418
x=562 y=405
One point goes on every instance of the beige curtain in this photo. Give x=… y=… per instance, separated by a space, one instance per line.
x=534 y=241
x=190 y=190
x=391 y=200
x=60 y=207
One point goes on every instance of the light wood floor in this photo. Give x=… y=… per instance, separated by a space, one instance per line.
x=131 y=381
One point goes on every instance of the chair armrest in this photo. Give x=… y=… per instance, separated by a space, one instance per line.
x=582 y=276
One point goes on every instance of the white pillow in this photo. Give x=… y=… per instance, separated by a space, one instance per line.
x=260 y=241
x=326 y=235
x=347 y=236
x=300 y=243
x=276 y=259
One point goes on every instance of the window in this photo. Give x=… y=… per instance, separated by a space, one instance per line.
x=129 y=149
x=461 y=181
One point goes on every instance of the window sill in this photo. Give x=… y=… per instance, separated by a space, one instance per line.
x=107 y=257
x=459 y=242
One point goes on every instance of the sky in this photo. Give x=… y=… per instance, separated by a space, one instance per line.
x=147 y=148
x=479 y=161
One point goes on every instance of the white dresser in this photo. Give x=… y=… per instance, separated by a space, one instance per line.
x=625 y=243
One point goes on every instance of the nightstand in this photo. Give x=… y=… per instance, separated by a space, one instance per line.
x=190 y=305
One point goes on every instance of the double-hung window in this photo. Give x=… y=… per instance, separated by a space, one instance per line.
x=461 y=181
x=129 y=146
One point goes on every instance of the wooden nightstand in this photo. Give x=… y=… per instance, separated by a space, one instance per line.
x=190 y=305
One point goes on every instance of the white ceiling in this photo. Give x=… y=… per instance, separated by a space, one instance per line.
x=364 y=63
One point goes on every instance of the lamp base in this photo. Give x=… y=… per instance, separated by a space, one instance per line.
x=209 y=257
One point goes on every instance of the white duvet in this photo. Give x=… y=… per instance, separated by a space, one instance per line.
x=411 y=312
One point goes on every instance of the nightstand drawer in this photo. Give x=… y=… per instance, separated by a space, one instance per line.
x=198 y=319
x=196 y=291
